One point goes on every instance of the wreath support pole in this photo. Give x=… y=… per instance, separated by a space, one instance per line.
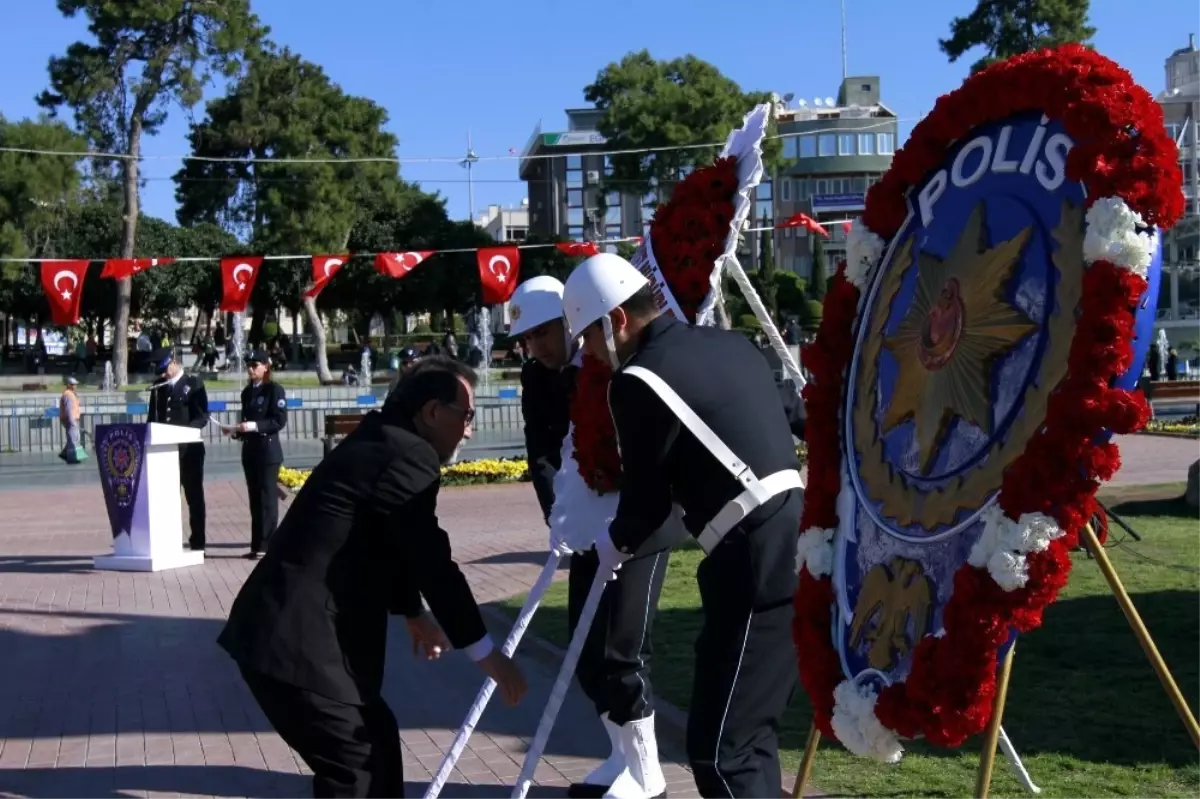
x=1143 y=635
x=991 y=736
x=755 y=302
x=806 y=762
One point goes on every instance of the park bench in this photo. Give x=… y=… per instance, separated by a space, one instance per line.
x=1175 y=392
x=339 y=425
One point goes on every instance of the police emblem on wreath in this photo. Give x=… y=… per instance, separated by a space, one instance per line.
x=971 y=363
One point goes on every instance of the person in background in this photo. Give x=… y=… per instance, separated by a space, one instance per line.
x=69 y=413
x=450 y=344
x=81 y=359
x=264 y=415
x=1172 y=364
x=309 y=627
x=91 y=348
x=180 y=399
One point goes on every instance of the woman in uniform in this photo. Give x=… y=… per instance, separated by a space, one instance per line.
x=264 y=415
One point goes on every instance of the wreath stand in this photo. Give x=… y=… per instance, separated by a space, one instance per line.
x=994 y=734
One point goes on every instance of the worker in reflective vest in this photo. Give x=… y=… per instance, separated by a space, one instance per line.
x=700 y=424
x=614 y=666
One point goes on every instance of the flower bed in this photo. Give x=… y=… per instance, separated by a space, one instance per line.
x=478 y=472
x=1187 y=427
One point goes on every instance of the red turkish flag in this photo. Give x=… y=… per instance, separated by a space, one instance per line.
x=63 y=284
x=805 y=221
x=846 y=226
x=120 y=268
x=499 y=269
x=237 y=281
x=574 y=248
x=324 y=267
x=399 y=264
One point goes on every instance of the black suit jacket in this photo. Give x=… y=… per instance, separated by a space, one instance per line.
x=725 y=380
x=545 y=406
x=183 y=403
x=266 y=406
x=361 y=539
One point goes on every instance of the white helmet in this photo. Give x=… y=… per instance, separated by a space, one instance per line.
x=535 y=302
x=597 y=287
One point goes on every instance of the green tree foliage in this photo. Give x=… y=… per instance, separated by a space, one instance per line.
x=286 y=107
x=146 y=56
x=1005 y=28
x=649 y=103
x=767 y=286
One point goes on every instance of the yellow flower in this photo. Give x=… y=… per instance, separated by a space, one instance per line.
x=485 y=470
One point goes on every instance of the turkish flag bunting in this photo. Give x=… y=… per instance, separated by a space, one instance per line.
x=805 y=221
x=499 y=269
x=584 y=248
x=324 y=268
x=120 y=268
x=399 y=264
x=237 y=281
x=846 y=226
x=63 y=283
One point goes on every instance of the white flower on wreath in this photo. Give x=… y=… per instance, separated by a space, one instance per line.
x=864 y=249
x=1115 y=234
x=856 y=726
x=1004 y=544
x=814 y=549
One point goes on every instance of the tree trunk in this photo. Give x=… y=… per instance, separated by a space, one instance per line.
x=120 y=346
x=318 y=334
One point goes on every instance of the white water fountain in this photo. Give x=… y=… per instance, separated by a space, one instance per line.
x=484 y=332
x=365 y=368
x=239 y=343
x=107 y=383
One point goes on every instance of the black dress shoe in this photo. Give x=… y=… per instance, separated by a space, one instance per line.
x=587 y=790
x=252 y=555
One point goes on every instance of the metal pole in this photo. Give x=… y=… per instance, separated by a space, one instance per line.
x=469 y=163
x=844 y=39
x=1195 y=159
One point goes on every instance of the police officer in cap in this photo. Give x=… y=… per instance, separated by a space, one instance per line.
x=179 y=398
x=614 y=667
x=699 y=423
x=264 y=415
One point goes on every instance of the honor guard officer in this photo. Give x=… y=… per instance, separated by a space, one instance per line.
x=614 y=666
x=699 y=422
x=264 y=415
x=179 y=398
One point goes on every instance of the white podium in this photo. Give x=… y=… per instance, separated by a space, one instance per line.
x=154 y=540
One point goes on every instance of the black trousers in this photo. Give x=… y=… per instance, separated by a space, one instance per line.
x=614 y=666
x=353 y=750
x=745 y=673
x=191 y=477
x=262 y=486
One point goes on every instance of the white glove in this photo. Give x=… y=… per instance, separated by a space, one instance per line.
x=610 y=558
x=557 y=543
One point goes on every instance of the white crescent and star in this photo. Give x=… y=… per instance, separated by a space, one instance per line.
x=237 y=270
x=409 y=260
x=501 y=276
x=330 y=264
x=59 y=275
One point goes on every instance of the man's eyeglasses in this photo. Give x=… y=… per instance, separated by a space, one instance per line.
x=468 y=414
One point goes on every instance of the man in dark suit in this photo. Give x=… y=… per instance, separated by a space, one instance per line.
x=179 y=398
x=699 y=423
x=309 y=628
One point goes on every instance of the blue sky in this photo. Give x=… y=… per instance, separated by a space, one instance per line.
x=496 y=69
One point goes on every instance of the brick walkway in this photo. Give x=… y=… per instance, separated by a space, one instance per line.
x=112 y=684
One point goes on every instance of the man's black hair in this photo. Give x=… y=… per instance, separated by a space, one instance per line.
x=641 y=304
x=433 y=378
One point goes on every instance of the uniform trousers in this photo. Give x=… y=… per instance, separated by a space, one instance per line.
x=353 y=750
x=191 y=477
x=745 y=670
x=262 y=487
x=614 y=666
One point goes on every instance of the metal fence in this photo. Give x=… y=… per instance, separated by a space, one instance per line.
x=30 y=424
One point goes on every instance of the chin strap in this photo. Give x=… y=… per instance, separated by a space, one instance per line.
x=613 y=360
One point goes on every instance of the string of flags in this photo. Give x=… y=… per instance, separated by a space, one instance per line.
x=499 y=272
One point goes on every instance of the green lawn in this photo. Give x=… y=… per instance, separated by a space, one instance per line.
x=1084 y=707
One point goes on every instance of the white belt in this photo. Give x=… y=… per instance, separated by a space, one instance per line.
x=745 y=503
x=756 y=493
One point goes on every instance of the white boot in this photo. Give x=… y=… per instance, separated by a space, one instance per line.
x=602 y=776
x=642 y=777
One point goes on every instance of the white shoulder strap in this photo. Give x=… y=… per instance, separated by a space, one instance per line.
x=693 y=423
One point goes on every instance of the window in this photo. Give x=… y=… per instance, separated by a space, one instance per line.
x=802 y=189
x=822 y=186
x=808 y=146
x=575 y=216
x=866 y=144
x=608 y=165
x=789 y=147
x=613 y=231
x=827 y=144
x=574 y=198
x=515 y=234
x=846 y=143
x=612 y=214
x=574 y=179
x=886 y=142
x=858 y=185
x=650 y=200
x=787 y=232
x=575 y=233
x=836 y=186
x=787 y=191
x=574 y=162
x=763 y=191
x=612 y=199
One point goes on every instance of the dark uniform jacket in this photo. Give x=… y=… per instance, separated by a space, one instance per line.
x=360 y=539
x=266 y=406
x=728 y=384
x=545 y=406
x=183 y=403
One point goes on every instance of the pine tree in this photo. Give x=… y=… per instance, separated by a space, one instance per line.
x=766 y=270
x=1010 y=27
x=816 y=285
